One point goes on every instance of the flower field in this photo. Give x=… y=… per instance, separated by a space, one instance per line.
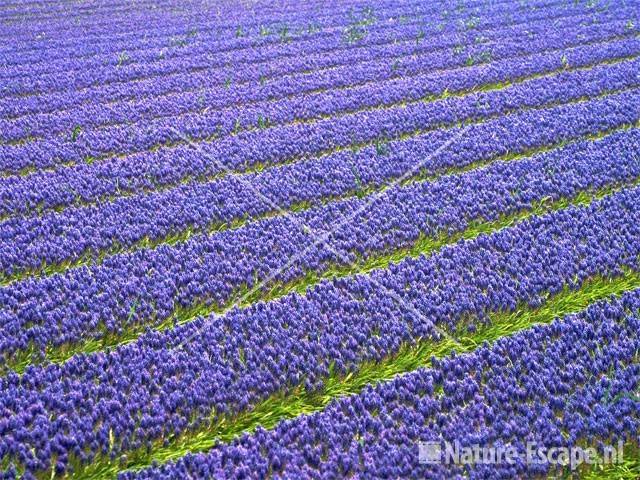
x=251 y=239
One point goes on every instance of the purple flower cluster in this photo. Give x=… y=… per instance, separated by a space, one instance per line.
x=518 y=40
x=46 y=190
x=53 y=238
x=206 y=206
x=140 y=137
x=199 y=37
x=400 y=44
x=202 y=55
x=167 y=384
x=92 y=301
x=211 y=27
x=64 y=44
x=86 y=183
x=573 y=383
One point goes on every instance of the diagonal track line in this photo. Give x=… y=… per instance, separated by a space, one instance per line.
x=186 y=234
x=324 y=236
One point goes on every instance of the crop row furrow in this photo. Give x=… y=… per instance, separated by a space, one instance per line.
x=86 y=185
x=161 y=139
x=170 y=22
x=522 y=375
x=170 y=385
x=204 y=37
x=306 y=98
x=200 y=37
x=212 y=275
x=32 y=244
x=221 y=73
x=204 y=57
x=294 y=239
x=240 y=32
